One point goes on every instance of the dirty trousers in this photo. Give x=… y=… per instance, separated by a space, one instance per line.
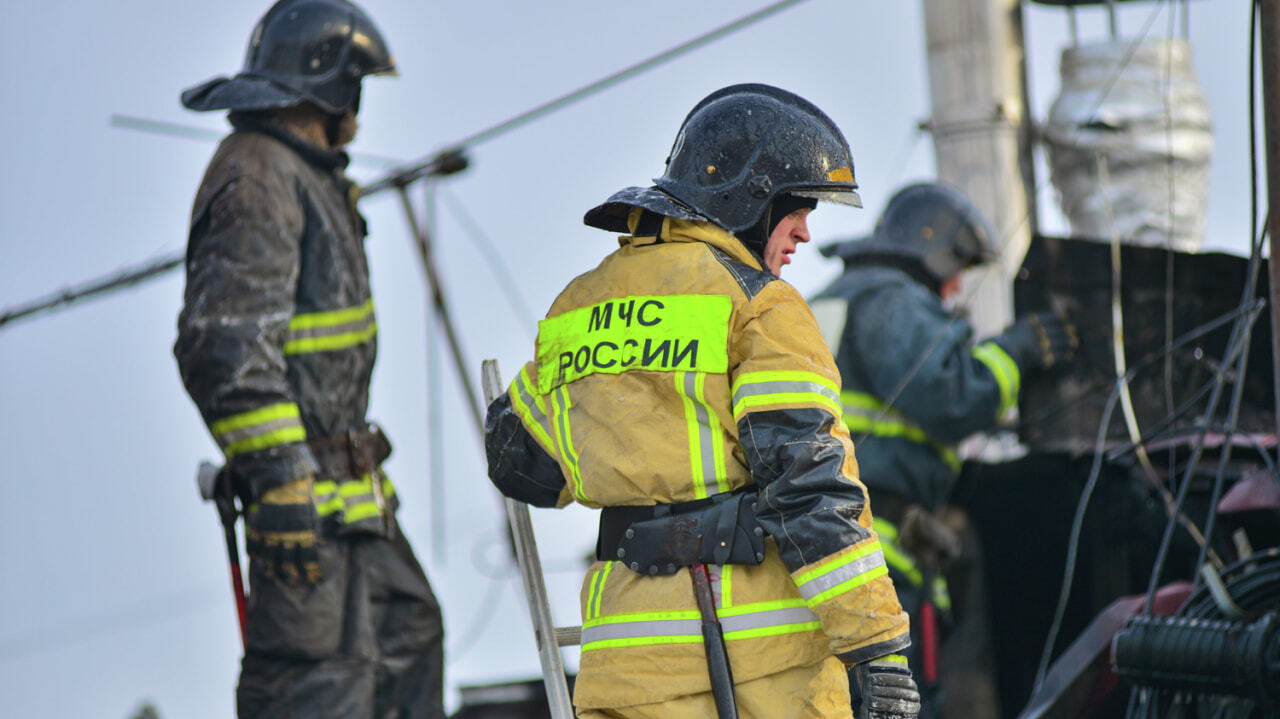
x=364 y=643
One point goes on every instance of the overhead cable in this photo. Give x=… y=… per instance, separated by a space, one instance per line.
x=625 y=73
x=433 y=165
x=125 y=278
x=161 y=127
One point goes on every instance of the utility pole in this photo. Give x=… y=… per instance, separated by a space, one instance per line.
x=981 y=134
x=1269 y=31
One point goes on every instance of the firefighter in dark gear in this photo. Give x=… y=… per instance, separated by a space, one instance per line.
x=685 y=389
x=914 y=385
x=276 y=346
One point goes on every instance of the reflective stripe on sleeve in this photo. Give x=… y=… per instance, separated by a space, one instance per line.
x=261 y=428
x=755 y=391
x=866 y=414
x=842 y=572
x=533 y=411
x=332 y=330
x=706 y=450
x=1005 y=370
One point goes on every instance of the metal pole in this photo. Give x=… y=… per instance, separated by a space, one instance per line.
x=982 y=140
x=981 y=135
x=1269 y=50
x=1112 y=25
x=423 y=243
x=435 y=422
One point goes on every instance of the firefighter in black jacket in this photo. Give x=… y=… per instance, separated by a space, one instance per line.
x=276 y=346
x=914 y=384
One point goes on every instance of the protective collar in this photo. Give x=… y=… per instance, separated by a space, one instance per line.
x=612 y=214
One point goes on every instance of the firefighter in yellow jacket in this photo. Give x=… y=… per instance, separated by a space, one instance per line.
x=685 y=389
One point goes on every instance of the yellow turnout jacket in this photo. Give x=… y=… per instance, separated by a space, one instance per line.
x=675 y=370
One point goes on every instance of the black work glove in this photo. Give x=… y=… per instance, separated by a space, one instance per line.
x=1039 y=340
x=281 y=532
x=888 y=691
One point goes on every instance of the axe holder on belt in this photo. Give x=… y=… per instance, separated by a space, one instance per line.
x=661 y=538
x=353 y=455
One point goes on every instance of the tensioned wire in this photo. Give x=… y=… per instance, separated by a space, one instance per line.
x=624 y=74
x=1236 y=353
x=137 y=274
x=152 y=268
x=1144 y=702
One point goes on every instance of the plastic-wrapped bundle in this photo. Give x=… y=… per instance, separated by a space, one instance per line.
x=1142 y=112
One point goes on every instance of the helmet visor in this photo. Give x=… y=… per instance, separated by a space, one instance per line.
x=848 y=198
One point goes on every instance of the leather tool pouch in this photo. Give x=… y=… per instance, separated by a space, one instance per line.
x=351 y=455
x=662 y=538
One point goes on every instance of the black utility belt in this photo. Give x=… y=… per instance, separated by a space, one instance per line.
x=659 y=539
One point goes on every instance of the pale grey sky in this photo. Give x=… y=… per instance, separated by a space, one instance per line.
x=113 y=579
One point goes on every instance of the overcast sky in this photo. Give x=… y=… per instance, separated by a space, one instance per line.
x=113 y=578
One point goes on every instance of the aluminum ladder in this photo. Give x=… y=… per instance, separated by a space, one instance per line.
x=549 y=638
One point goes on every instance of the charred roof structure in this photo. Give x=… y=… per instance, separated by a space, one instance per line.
x=1133 y=551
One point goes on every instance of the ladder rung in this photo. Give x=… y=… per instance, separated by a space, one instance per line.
x=568 y=636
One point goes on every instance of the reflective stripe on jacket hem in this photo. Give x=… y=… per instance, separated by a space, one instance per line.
x=352 y=500
x=748 y=621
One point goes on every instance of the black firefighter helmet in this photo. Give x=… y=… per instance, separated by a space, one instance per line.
x=301 y=50
x=930 y=224
x=738 y=150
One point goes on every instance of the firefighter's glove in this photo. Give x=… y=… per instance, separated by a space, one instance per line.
x=1039 y=340
x=281 y=531
x=888 y=691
